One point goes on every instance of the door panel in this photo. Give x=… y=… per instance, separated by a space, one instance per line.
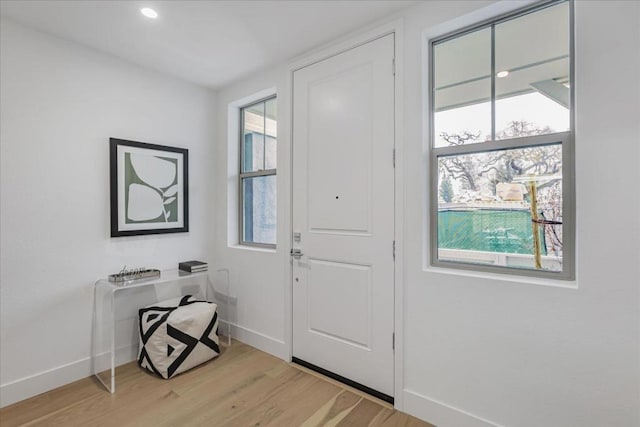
x=348 y=287
x=339 y=162
x=343 y=213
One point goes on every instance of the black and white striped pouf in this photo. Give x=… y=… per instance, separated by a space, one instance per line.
x=177 y=334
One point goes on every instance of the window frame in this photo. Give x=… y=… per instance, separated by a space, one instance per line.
x=567 y=139
x=244 y=175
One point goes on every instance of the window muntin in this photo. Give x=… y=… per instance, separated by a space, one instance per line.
x=490 y=154
x=258 y=161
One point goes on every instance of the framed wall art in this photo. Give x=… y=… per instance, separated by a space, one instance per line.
x=149 y=188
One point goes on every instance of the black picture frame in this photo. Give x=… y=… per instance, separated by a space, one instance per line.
x=145 y=180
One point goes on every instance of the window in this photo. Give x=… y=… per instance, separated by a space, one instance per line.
x=501 y=154
x=257 y=186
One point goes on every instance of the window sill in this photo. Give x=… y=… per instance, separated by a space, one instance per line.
x=253 y=248
x=555 y=283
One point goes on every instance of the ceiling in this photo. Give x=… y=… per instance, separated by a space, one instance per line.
x=210 y=43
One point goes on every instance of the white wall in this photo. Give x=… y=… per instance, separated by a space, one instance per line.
x=484 y=349
x=520 y=354
x=258 y=277
x=60 y=103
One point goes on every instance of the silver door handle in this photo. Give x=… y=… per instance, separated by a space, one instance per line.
x=296 y=253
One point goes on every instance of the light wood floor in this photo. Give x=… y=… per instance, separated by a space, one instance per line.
x=242 y=387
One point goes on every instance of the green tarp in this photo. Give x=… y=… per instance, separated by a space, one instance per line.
x=487 y=230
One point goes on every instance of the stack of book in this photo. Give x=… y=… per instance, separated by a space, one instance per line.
x=193 y=266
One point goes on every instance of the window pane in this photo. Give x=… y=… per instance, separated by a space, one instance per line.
x=462 y=89
x=532 y=73
x=271 y=134
x=253 y=138
x=259 y=209
x=490 y=205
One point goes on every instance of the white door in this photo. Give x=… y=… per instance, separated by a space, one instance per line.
x=343 y=214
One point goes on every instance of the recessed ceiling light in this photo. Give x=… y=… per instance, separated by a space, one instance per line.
x=502 y=74
x=149 y=13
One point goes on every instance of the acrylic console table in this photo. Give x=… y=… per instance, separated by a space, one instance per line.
x=115 y=315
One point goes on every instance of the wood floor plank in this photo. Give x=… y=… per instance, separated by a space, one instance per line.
x=240 y=401
x=304 y=404
x=195 y=403
x=242 y=387
x=44 y=404
x=361 y=415
x=332 y=412
x=393 y=418
x=271 y=404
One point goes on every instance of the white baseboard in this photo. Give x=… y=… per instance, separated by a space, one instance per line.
x=42 y=382
x=258 y=340
x=33 y=385
x=441 y=414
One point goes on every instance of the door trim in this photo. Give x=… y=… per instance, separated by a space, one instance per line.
x=354 y=40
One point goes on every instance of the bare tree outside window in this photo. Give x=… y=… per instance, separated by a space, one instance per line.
x=498 y=179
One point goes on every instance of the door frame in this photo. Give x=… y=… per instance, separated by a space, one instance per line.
x=349 y=42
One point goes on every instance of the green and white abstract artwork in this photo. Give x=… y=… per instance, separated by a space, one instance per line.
x=149 y=192
x=151 y=188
